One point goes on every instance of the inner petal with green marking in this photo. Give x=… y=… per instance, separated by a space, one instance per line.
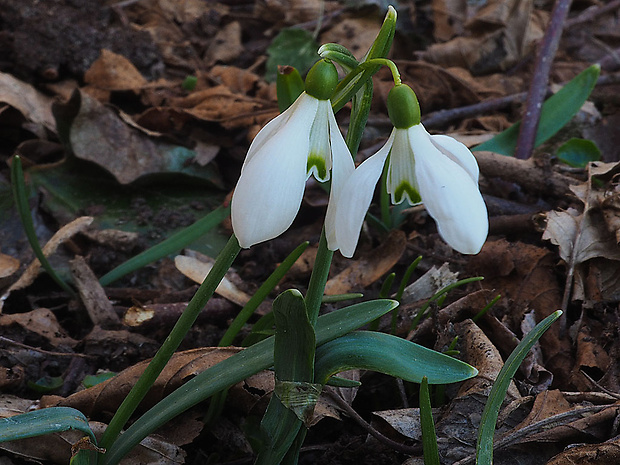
x=406 y=191
x=316 y=165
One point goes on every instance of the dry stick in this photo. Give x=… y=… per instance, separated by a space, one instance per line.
x=538 y=89
x=592 y=13
x=372 y=431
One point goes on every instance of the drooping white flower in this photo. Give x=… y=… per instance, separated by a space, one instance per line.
x=438 y=171
x=304 y=140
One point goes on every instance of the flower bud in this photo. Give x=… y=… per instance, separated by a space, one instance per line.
x=322 y=80
x=403 y=107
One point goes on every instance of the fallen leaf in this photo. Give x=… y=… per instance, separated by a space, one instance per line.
x=429 y=284
x=99 y=135
x=112 y=71
x=41 y=322
x=226 y=45
x=103 y=399
x=31 y=103
x=8 y=266
x=478 y=351
x=500 y=34
x=369 y=268
x=197 y=270
x=590 y=454
x=63 y=234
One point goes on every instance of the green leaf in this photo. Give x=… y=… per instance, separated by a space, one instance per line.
x=429 y=437
x=578 y=152
x=158 y=210
x=558 y=110
x=21 y=202
x=44 y=421
x=484 y=446
x=173 y=244
x=391 y=355
x=237 y=368
x=46 y=384
x=92 y=380
x=291 y=47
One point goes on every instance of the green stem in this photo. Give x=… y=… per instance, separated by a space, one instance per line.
x=260 y=295
x=170 y=345
x=316 y=286
x=21 y=202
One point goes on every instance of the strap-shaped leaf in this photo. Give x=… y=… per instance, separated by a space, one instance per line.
x=236 y=368
x=44 y=421
x=484 y=448
x=556 y=112
x=391 y=355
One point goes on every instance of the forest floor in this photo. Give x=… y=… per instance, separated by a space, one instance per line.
x=132 y=120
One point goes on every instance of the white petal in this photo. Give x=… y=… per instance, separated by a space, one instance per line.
x=451 y=197
x=354 y=199
x=457 y=152
x=401 y=172
x=271 y=186
x=342 y=167
x=320 y=147
x=300 y=115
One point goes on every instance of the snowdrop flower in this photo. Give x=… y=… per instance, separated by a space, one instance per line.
x=436 y=170
x=302 y=141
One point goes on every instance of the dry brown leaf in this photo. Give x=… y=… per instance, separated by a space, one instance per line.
x=8 y=266
x=429 y=284
x=114 y=72
x=41 y=322
x=546 y=404
x=356 y=34
x=226 y=45
x=368 y=269
x=478 y=351
x=500 y=34
x=197 y=270
x=587 y=235
x=590 y=454
x=35 y=106
x=63 y=234
x=104 y=398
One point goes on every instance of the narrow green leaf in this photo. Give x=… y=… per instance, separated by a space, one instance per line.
x=557 y=110
x=429 y=437
x=295 y=340
x=21 y=201
x=236 y=368
x=44 y=421
x=173 y=244
x=578 y=152
x=484 y=447
x=391 y=355
x=261 y=293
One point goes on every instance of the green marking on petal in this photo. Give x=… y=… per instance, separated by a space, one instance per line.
x=406 y=190
x=318 y=162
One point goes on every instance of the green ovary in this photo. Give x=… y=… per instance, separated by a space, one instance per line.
x=319 y=163
x=406 y=190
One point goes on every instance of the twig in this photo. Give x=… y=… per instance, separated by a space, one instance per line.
x=553 y=421
x=411 y=450
x=592 y=13
x=538 y=89
x=43 y=351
